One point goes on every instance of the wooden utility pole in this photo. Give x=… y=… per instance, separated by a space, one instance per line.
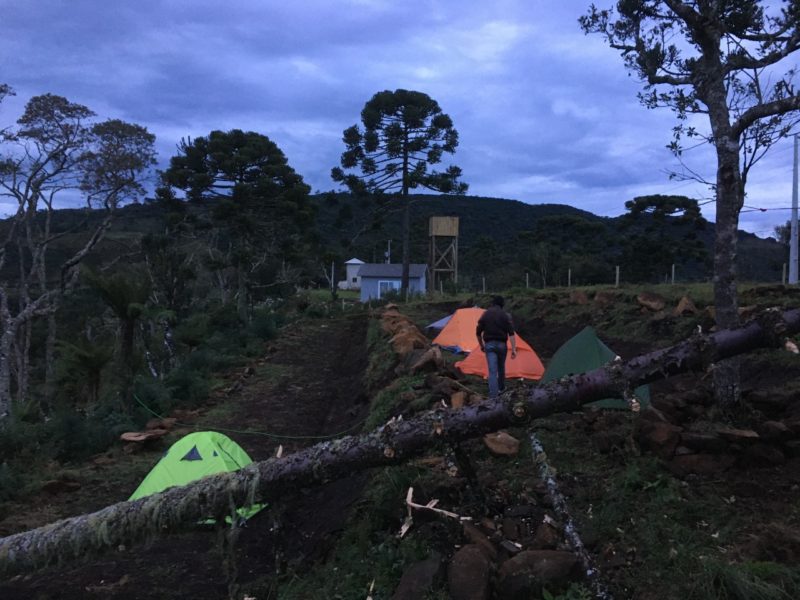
x=793 y=231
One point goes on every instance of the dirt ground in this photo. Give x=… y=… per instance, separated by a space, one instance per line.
x=307 y=385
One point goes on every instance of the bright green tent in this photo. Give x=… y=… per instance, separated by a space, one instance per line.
x=192 y=457
x=585 y=352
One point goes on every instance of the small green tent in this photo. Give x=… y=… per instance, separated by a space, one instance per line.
x=192 y=457
x=585 y=352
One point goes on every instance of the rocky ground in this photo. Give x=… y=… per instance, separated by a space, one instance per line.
x=668 y=502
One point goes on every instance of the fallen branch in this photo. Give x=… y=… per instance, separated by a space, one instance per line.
x=179 y=508
x=570 y=530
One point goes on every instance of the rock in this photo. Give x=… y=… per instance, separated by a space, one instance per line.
x=478 y=538
x=59 y=486
x=143 y=436
x=185 y=415
x=512 y=528
x=762 y=454
x=737 y=436
x=792 y=448
x=685 y=305
x=578 y=297
x=651 y=413
x=441 y=387
x=605 y=298
x=660 y=438
x=651 y=301
x=524 y=576
x=774 y=431
x=501 y=443
x=165 y=423
x=701 y=464
x=546 y=538
x=511 y=548
x=431 y=360
x=407 y=339
x=419 y=578
x=468 y=574
x=525 y=511
x=703 y=442
x=458 y=399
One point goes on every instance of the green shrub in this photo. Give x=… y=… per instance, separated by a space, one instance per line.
x=72 y=436
x=151 y=394
x=188 y=385
x=746 y=581
x=193 y=331
x=19 y=436
x=11 y=482
x=264 y=325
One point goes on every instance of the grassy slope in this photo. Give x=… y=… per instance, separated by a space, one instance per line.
x=653 y=536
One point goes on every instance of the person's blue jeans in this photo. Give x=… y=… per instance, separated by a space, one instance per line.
x=496 y=363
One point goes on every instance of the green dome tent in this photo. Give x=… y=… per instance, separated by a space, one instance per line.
x=585 y=352
x=192 y=457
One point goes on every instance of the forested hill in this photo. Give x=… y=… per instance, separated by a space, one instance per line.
x=500 y=240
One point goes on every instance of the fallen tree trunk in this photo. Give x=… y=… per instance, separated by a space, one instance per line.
x=179 y=508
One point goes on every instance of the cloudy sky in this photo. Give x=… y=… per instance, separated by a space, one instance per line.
x=545 y=114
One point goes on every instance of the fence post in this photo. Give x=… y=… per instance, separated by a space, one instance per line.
x=484 y=284
x=616 y=282
x=673 y=273
x=569 y=277
x=441 y=287
x=527 y=280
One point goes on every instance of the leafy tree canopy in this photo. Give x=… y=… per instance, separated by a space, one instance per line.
x=682 y=208
x=228 y=164
x=404 y=132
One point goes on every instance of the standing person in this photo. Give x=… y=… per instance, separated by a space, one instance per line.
x=493 y=331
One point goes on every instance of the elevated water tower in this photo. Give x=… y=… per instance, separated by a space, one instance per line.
x=443 y=255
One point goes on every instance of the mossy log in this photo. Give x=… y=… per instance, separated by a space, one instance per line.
x=179 y=508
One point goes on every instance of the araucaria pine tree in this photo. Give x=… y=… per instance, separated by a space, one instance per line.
x=404 y=133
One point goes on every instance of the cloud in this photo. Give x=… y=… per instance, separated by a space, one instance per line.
x=545 y=113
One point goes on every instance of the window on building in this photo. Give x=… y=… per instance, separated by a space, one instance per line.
x=384 y=287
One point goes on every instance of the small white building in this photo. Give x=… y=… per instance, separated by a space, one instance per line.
x=376 y=280
x=352 y=280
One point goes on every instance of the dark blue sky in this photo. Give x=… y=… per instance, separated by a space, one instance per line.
x=545 y=114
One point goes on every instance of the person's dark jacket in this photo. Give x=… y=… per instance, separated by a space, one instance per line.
x=494 y=325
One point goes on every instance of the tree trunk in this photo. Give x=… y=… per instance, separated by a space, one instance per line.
x=6 y=338
x=128 y=327
x=404 y=282
x=179 y=508
x=50 y=364
x=730 y=197
x=22 y=347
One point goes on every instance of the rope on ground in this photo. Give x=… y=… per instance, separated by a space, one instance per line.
x=276 y=436
x=570 y=530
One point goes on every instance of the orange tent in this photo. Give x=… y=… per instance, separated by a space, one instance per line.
x=459 y=335
x=526 y=366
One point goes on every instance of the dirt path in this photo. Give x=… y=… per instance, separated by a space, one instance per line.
x=308 y=385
